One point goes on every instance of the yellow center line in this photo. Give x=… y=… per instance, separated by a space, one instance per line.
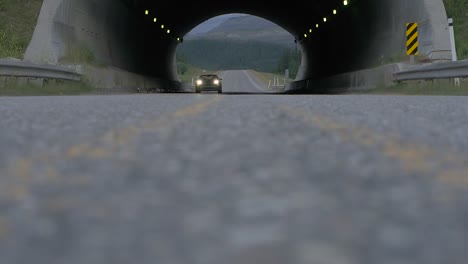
x=446 y=166
x=25 y=170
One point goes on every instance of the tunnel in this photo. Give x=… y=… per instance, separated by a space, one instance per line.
x=140 y=37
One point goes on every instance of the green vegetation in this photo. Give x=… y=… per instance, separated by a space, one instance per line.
x=187 y=73
x=191 y=72
x=436 y=87
x=9 y=46
x=10 y=88
x=458 y=10
x=291 y=59
x=18 y=19
x=216 y=55
x=17 y=22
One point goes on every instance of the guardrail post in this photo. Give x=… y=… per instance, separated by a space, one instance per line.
x=452 y=44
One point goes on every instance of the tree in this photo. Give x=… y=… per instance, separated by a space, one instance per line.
x=290 y=59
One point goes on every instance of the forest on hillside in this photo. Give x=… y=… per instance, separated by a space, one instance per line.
x=239 y=55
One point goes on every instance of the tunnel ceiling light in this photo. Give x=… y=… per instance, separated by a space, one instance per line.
x=168 y=31
x=334 y=12
x=316 y=25
x=305 y=36
x=345 y=2
x=324 y=19
x=154 y=20
x=162 y=26
x=310 y=30
x=146 y=12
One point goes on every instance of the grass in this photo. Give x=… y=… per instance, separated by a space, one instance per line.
x=10 y=47
x=18 y=19
x=436 y=87
x=48 y=89
x=17 y=23
x=458 y=9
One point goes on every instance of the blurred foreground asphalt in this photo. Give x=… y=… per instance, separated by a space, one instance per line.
x=209 y=179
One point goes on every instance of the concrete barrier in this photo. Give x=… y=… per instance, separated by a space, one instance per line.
x=13 y=71
x=15 y=68
x=361 y=80
x=112 y=79
x=456 y=69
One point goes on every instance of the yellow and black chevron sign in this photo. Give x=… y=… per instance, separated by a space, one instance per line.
x=412 y=39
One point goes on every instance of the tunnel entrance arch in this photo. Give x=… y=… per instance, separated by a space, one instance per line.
x=238 y=42
x=121 y=36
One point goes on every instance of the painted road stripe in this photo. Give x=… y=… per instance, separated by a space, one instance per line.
x=23 y=172
x=446 y=166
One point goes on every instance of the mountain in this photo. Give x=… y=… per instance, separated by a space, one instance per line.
x=239 y=41
x=209 y=25
x=229 y=55
x=243 y=28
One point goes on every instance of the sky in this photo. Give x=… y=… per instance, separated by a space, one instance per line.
x=211 y=23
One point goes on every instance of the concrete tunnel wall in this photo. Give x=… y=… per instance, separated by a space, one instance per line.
x=68 y=30
x=368 y=33
x=359 y=40
x=361 y=49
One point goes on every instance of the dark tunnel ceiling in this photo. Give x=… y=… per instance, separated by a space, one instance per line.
x=294 y=16
x=340 y=45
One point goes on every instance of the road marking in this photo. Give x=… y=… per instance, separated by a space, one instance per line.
x=446 y=166
x=24 y=171
x=255 y=82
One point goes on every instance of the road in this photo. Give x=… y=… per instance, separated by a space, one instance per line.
x=233 y=178
x=243 y=82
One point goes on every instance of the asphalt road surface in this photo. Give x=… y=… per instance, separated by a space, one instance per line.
x=209 y=179
x=243 y=82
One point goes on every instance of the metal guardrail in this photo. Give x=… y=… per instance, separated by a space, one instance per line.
x=446 y=70
x=278 y=84
x=12 y=68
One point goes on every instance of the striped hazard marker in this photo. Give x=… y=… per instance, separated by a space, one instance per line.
x=412 y=39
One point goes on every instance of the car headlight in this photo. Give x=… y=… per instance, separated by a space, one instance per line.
x=216 y=82
x=199 y=82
